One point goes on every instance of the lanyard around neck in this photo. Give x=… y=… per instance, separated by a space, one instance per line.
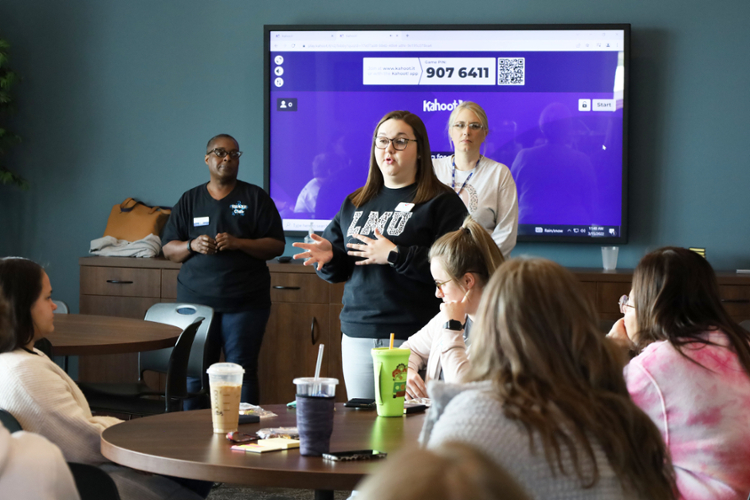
x=453 y=179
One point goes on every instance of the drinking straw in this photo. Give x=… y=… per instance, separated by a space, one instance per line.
x=391 y=346
x=320 y=361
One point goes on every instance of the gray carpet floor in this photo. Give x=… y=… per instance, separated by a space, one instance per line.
x=229 y=492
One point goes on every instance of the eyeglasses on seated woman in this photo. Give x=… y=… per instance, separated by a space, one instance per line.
x=691 y=371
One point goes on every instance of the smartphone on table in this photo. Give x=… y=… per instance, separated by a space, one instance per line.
x=414 y=408
x=361 y=403
x=346 y=456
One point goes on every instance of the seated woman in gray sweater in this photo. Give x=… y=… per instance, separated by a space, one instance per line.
x=545 y=396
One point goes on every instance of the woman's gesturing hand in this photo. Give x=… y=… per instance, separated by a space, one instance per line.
x=374 y=251
x=319 y=252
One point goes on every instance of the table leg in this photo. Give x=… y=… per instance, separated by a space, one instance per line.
x=323 y=494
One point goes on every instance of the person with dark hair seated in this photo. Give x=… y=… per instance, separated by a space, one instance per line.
x=23 y=454
x=690 y=372
x=45 y=400
x=547 y=400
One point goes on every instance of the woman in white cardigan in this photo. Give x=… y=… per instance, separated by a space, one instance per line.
x=461 y=263
x=45 y=400
x=23 y=454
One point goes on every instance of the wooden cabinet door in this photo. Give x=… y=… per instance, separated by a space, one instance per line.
x=290 y=348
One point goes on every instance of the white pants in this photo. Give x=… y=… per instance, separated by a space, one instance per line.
x=358 y=367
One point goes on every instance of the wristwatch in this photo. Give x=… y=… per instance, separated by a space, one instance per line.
x=393 y=257
x=454 y=325
x=190 y=249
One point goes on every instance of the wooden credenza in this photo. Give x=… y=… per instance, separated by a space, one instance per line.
x=304 y=314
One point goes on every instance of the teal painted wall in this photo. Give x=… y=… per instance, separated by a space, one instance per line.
x=119 y=98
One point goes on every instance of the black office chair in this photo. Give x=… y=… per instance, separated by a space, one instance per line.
x=93 y=483
x=181 y=315
x=134 y=399
x=9 y=421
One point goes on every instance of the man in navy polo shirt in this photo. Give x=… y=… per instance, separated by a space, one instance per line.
x=223 y=232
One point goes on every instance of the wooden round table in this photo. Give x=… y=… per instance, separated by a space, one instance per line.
x=182 y=444
x=83 y=334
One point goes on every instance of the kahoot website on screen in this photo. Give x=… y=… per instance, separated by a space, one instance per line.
x=554 y=101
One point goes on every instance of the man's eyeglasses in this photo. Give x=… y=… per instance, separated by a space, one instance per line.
x=399 y=143
x=624 y=304
x=221 y=153
x=440 y=284
x=473 y=126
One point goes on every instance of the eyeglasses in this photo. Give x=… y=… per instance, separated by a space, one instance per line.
x=624 y=304
x=221 y=153
x=399 y=143
x=440 y=284
x=473 y=126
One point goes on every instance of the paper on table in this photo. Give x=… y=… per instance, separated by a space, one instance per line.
x=264 y=445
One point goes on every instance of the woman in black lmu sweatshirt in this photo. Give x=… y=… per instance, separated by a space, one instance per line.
x=378 y=243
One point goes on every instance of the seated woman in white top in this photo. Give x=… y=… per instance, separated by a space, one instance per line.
x=546 y=399
x=461 y=263
x=45 y=400
x=485 y=186
x=24 y=454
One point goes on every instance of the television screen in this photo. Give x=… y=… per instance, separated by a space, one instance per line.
x=555 y=97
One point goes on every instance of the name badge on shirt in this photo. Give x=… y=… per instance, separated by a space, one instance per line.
x=200 y=221
x=404 y=207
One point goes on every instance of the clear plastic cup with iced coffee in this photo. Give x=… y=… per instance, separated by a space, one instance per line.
x=225 y=382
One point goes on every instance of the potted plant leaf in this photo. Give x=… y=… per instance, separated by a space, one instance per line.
x=8 y=79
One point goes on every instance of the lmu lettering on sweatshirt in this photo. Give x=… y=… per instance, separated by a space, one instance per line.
x=396 y=226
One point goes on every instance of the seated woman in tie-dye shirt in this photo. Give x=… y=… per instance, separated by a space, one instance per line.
x=690 y=374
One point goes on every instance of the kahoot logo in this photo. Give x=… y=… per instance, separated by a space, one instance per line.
x=439 y=106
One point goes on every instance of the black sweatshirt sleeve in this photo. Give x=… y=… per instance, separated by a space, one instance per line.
x=449 y=213
x=341 y=266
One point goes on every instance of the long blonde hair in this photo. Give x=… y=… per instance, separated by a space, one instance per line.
x=470 y=249
x=537 y=341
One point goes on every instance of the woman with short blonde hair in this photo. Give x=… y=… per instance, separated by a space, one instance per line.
x=485 y=186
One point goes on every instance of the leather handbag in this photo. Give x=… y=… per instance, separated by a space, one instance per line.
x=131 y=220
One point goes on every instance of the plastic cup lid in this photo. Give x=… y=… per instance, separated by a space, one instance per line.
x=313 y=380
x=224 y=369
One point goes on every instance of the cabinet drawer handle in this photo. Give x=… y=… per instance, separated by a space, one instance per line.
x=280 y=287
x=119 y=282
x=312 y=331
x=735 y=301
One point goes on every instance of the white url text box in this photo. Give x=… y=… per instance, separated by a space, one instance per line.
x=390 y=71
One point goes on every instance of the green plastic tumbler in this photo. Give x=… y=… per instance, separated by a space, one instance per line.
x=390 y=367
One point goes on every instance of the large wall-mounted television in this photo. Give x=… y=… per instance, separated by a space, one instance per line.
x=556 y=97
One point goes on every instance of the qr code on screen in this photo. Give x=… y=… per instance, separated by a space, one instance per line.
x=511 y=70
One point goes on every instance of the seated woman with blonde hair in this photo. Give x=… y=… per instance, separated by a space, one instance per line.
x=461 y=263
x=547 y=400
x=691 y=372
